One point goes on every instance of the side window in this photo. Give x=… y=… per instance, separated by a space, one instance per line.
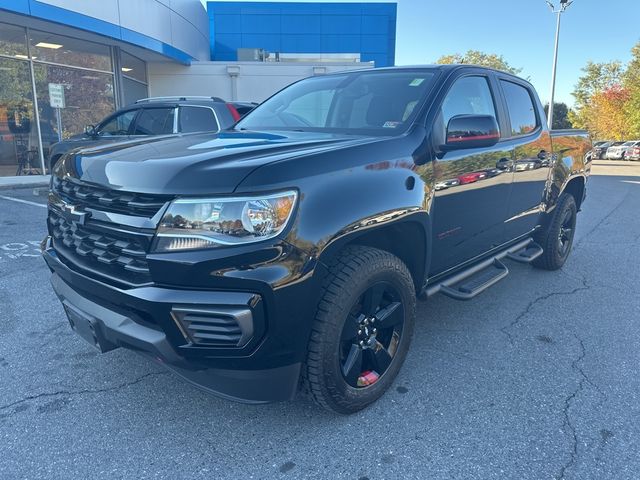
x=197 y=119
x=468 y=96
x=521 y=109
x=118 y=125
x=155 y=121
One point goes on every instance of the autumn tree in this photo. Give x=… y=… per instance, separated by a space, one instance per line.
x=608 y=110
x=597 y=78
x=475 y=57
x=631 y=81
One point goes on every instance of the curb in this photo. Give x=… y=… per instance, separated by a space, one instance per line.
x=15 y=184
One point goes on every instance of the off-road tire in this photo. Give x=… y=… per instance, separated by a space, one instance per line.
x=553 y=258
x=350 y=274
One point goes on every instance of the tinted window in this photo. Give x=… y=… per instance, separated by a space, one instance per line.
x=155 y=121
x=197 y=119
x=118 y=125
x=521 y=110
x=372 y=102
x=243 y=109
x=468 y=96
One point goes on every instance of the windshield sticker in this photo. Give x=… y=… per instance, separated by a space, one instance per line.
x=390 y=124
x=416 y=82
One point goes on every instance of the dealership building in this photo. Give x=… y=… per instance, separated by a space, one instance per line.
x=65 y=64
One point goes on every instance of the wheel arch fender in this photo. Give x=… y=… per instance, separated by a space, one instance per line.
x=576 y=186
x=407 y=237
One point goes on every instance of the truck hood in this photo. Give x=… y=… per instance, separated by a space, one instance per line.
x=194 y=164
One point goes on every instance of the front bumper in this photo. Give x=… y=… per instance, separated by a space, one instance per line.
x=265 y=369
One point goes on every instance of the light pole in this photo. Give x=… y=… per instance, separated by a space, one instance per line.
x=564 y=4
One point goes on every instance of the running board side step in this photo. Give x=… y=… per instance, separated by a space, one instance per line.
x=528 y=254
x=471 y=282
x=476 y=283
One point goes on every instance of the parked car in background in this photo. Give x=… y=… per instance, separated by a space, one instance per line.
x=600 y=149
x=156 y=116
x=628 y=146
x=633 y=153
x=614 y=152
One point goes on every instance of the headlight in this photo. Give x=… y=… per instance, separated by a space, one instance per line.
x=211 y=222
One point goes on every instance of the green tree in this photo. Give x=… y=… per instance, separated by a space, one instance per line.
x=560 y=115
x=475 y=57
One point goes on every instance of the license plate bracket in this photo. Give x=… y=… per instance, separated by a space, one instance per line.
x=88 y=328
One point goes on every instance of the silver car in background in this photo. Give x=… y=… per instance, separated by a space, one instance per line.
x=618 y=150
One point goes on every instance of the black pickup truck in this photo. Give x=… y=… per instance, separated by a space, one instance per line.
x=289 y=250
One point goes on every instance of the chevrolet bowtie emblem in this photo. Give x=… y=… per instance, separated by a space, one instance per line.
x=72 y=215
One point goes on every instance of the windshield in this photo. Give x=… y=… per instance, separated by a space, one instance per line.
x=379 y=103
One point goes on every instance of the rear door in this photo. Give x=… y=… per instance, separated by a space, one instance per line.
x=532 y=156
x=471 y=185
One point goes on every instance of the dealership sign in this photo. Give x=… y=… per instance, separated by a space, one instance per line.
x=56 y=95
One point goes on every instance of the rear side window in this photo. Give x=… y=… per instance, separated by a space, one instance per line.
x=468 y=96
x=197 y=119
x=155 y=121
x=521 y=109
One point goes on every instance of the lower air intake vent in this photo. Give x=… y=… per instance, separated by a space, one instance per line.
x=215 y=326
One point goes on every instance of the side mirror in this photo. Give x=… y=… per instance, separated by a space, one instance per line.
x=471 y=131
x=90 y=130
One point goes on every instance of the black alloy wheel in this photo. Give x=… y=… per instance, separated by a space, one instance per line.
x=556 y=239
x=371 y=335
x=362 y=329
x=565 y=236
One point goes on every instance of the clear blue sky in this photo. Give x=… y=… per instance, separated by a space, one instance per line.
x=520 y=30
x=523 y=32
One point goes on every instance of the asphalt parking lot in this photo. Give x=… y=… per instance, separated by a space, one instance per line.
x=534 y=379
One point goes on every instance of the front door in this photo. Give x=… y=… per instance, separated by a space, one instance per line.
x=472 y=185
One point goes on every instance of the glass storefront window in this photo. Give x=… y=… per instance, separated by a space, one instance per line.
x=134 y=78
x=133 y=90
x=19 y=147
x=80 y=71
x=88 y=97
x=13 y=41
x=133 y=67
x=48 y=47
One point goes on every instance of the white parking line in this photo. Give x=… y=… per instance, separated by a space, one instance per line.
x=19 y=200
